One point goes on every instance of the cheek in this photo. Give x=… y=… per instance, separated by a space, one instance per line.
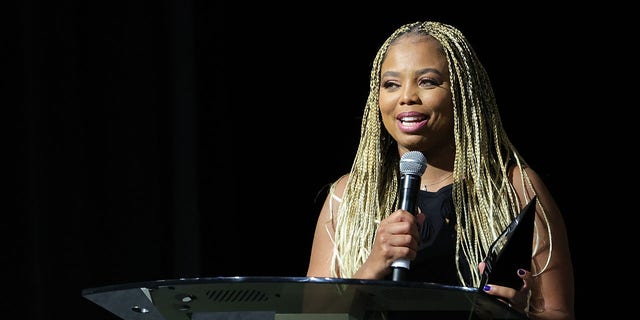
x=387 y=106
x=437 y=97
x=386 y=103
x=440 y=101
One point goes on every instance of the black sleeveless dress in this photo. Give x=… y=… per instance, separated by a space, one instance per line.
x=435 y=261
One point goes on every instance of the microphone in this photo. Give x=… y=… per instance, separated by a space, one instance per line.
x=412 y=166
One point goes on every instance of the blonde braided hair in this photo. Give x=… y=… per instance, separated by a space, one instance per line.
x=484 y=199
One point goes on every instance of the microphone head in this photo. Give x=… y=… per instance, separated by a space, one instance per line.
x=413 y=162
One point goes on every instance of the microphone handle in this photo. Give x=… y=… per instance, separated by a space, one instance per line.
x=400 y=268
x=409 y=187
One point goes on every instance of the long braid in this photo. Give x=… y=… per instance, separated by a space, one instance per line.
x=484 y=200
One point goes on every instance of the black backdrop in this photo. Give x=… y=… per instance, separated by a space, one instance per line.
x=169 y=139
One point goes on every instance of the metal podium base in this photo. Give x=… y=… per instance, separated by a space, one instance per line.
x=295 y=298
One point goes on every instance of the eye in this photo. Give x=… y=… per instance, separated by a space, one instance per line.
x=428 y=82
x=390 y=84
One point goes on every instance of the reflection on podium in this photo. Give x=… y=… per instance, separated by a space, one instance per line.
x=289 y=298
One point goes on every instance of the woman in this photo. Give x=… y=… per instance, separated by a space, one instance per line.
x=429 y=93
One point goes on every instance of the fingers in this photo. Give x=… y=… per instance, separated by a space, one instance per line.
x=398 y=235
x=402 y=222
x=516 y=299
x=481 y=266
x=523 y=274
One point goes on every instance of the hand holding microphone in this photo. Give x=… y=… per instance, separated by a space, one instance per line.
x=412 y=166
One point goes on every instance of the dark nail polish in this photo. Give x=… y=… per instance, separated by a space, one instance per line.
x=521 y=272
x=486 y=288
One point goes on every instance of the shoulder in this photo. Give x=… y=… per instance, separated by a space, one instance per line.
x=338 y=187
x=527 y=182
x=333 y=200
x=531 y=183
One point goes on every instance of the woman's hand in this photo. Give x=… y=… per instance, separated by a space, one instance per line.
x=397 y=237
x=516 y=299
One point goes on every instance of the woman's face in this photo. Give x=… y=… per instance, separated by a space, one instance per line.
x=415 y=95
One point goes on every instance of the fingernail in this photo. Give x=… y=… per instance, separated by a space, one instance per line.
x=486 y=288
x=521 y=272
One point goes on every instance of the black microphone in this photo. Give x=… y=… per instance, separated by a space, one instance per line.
x=412 y=166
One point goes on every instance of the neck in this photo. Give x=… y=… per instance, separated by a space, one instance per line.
x=436 y=181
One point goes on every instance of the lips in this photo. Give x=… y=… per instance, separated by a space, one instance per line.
x=410 y=122
x=405 y=120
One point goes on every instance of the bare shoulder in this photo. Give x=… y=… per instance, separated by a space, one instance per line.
x=321 y=261
x=535 y=185
x=551 y=216
x=333 y=199
x=340 y=185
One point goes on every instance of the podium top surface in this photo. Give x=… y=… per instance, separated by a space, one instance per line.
x=289 y=297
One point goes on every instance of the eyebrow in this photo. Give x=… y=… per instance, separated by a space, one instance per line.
x=418 y=73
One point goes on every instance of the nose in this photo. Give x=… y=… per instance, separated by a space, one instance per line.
x=410 y=94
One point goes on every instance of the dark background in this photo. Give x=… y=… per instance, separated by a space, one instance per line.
x=174 y=139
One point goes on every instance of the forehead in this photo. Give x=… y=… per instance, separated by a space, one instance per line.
x=415 y=49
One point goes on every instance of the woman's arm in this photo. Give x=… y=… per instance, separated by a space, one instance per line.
x=396 y=237
x=322 y=246
x=552 y=290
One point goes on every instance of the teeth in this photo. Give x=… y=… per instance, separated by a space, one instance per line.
x=411 y=119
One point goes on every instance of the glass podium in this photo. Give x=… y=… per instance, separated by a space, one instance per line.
x=295 y=298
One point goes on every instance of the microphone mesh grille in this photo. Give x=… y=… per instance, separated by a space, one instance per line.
x=413 y=162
